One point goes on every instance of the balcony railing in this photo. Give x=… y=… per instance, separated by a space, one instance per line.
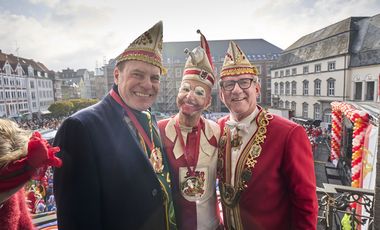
x=336 y=202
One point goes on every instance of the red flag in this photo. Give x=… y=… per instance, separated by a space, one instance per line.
x=204 y=45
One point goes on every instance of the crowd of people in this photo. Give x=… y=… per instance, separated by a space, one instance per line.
x=39 y=194
x=316 y=135
x=40 y=123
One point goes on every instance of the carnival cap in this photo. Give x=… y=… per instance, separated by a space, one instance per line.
x=147 y=48
x=236 y=63
x=199 y=64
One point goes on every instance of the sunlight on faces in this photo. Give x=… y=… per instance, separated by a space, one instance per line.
x=240 y=102
x=138 y=83
x=193 y=97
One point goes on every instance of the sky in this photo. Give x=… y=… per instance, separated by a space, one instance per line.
x=83 y=33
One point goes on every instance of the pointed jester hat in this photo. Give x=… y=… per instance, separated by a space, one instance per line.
x=199 y=64
x=147 y=48
x=236 y=63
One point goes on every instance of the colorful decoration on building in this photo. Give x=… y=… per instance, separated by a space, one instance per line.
x=360 y=120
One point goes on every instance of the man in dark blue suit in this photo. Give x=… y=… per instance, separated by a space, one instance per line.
x=114 y=175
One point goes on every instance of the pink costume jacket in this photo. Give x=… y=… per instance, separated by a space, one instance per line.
x=275 y=171
x=195 y=202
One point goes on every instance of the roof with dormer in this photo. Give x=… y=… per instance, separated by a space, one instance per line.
x=24 y=62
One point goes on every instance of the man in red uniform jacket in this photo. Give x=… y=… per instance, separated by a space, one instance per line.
x=265 y=162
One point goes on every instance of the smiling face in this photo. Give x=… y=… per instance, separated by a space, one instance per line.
x=240 y=102
x=193 y=97
x=138 y=83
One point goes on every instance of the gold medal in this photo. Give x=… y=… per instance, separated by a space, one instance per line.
x=236 y=141
x=193 y=186
x=156 y=160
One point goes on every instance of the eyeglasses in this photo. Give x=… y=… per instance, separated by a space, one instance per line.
x=244 y=83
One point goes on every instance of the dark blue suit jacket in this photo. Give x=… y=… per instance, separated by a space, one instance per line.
x=106 y=181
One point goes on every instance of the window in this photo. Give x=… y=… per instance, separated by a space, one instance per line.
x=282 y=88
x=294 y=105
x=19 y=70
x=317 y=87
x=331 y=87
x=305 y=87
x=269 y=67
x=317 y=68
x=281 y=104
x=281 y=73
x=305 y=108
x=7 y=68
x=30 y=71
x=317 y=111
x=268 y=83
x=287 y=72
x=276 y=74
x=370 y=90
x=32 y=84
x=287 y=88
x=294 y=71
x=276 y=88
x=331 y=65
x=306 y=69
x=287 y=104
x=327 y=117
x=258 y=67
x=178 y=72
x=294 y=88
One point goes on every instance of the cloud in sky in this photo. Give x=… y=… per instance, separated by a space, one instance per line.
x=77 y=34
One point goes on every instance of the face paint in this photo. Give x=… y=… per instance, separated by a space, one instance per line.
x=193 y=97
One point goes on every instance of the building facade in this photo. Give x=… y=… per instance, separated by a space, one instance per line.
x=320 y=68
x=25 y=87
x=259 y=52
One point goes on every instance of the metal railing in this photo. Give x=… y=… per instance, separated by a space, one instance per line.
x=337 y=201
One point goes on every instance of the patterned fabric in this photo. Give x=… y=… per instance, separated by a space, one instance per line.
x=163 y=177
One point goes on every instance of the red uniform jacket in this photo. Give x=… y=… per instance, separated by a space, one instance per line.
x=281 y=192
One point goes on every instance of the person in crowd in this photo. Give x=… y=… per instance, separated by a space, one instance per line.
x=265 y=163
x=191 y=143
x=114 y=175
x=23 y=156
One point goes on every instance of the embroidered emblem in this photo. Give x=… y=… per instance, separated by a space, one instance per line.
x=203 y=74
x=194 y=185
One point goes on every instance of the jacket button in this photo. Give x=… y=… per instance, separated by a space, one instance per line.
x=154 y=192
